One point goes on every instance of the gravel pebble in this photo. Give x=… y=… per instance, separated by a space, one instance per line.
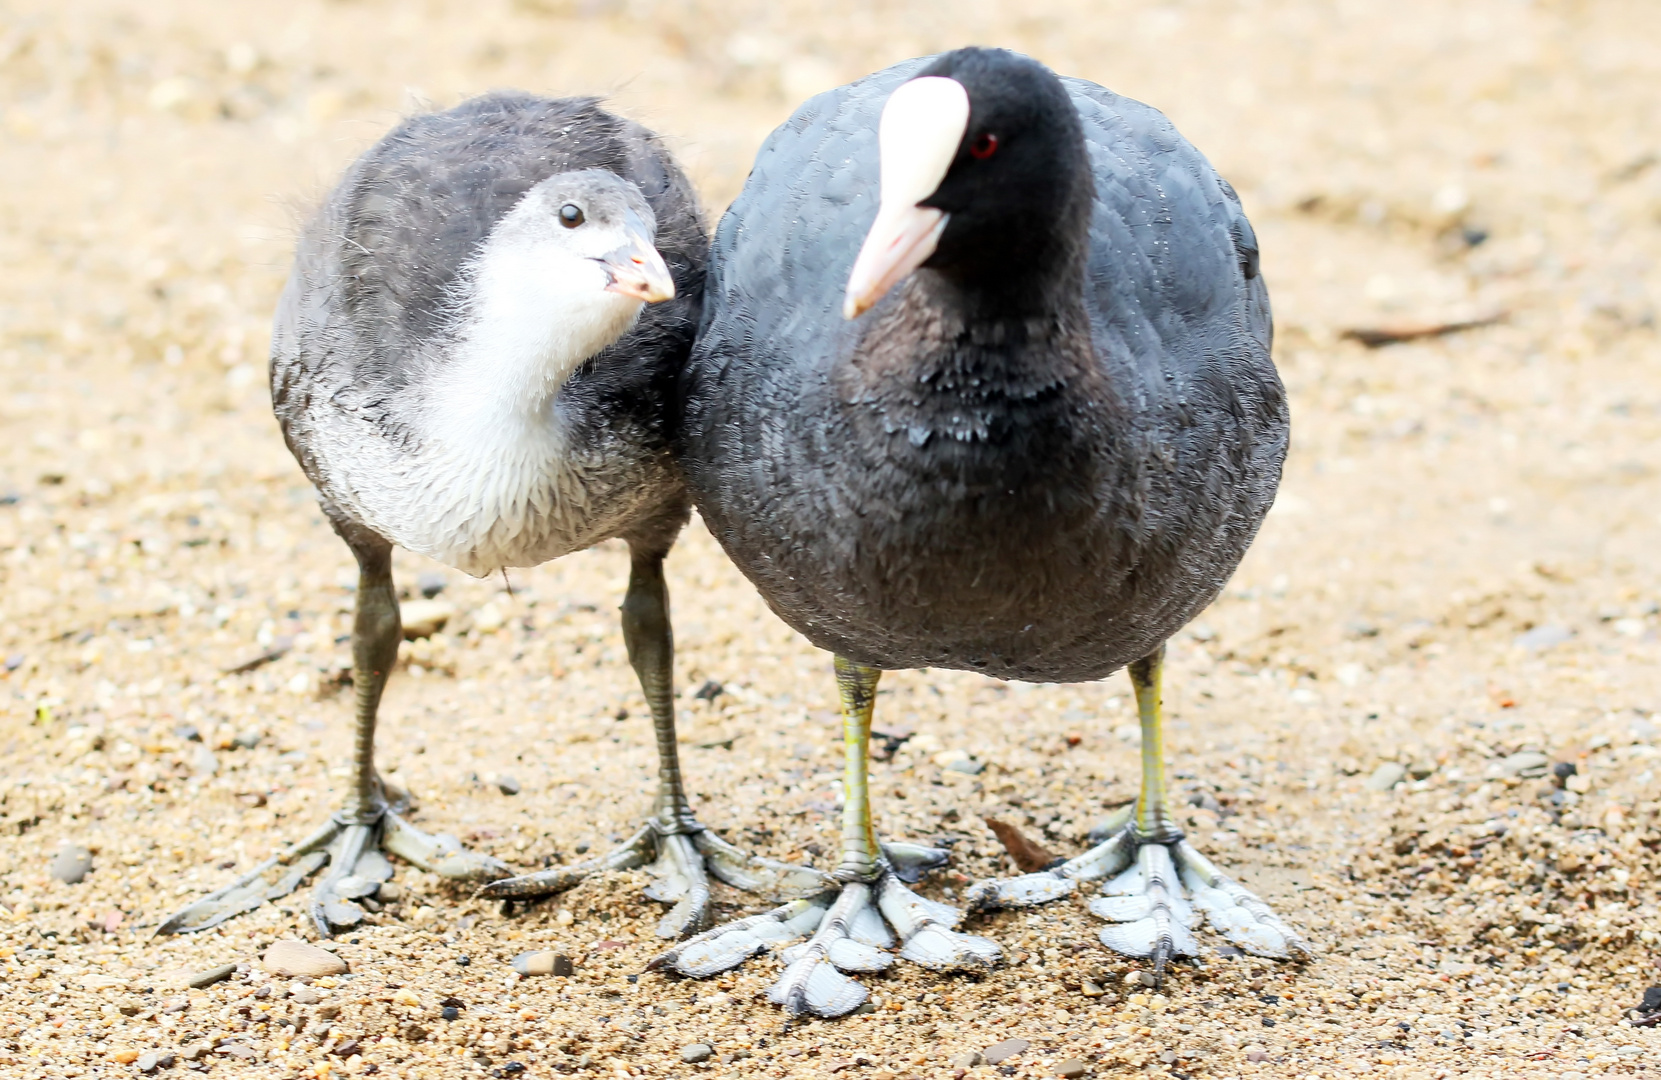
x=203 y=980
x=1387 y=776
x=1071 y=1069
x=967 y=1060
x=424 y=618
x=696 y=1052
x=71 y=864
x=1545 y=637
x=544 y=962
x=1525 y=764
x=998 y=1053
x=203 y=761
x=291 y=958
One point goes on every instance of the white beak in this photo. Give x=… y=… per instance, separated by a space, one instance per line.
x=922 y=126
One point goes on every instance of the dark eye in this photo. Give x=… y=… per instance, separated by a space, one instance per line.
x=984 y=146
x=570 y=215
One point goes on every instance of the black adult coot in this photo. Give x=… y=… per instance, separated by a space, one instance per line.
x=990 y=390
x=473 y=359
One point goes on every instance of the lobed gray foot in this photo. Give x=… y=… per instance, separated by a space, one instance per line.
x=681 y=865
x=853 y=931
x=357 y=869
x=1236 y=912
x=1152 y=917
x=1145 y=899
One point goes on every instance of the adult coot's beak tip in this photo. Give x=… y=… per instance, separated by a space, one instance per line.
x=899 y=242
x=638 y=270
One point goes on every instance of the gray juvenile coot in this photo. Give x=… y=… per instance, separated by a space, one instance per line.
x=474 y=359
x=991 y=391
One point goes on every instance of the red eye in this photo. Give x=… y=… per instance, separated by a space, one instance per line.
x=984 y=146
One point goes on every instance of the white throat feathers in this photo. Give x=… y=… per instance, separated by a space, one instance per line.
x=487 y=480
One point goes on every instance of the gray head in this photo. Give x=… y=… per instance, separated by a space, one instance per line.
x=563 y=275
x=592 y=231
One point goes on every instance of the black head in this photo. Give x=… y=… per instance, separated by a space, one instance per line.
x=986 y=180
x=1018 y=192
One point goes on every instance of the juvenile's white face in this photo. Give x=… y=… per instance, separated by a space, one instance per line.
x=563 y=275
x=589 y=232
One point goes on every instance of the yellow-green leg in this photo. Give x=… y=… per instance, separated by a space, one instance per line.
x=851 y=926
x=1147 y=862
x=1154 y=820
x=857 y=686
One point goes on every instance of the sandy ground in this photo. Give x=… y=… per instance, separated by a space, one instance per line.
x=1461 y=568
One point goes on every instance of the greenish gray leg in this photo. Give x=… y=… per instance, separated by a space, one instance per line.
x=680 y=853
x=1157 y=883
x=856 y=923
x=650 y=640
x=376 y=631
x=352 y=842
x=857 y=686
x=1154 y=820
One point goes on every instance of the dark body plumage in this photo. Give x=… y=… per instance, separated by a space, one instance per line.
x=365 y=317
x=1045 y=493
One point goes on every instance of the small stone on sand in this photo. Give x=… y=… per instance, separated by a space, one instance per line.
x=352 y=886
x=1071 y=1069
x=696 y=1052
x=291 y=958
x=542 y=963
x=203 y=761
x=1526 y=764
x=203 y=979
x=1387 y=776
x=424 y=618
x=998 y=1053
x=71 y=864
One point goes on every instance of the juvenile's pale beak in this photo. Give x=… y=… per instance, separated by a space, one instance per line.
x=637 y=269
x=922 y=123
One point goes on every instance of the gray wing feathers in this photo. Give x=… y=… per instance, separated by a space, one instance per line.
x=369 y=294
